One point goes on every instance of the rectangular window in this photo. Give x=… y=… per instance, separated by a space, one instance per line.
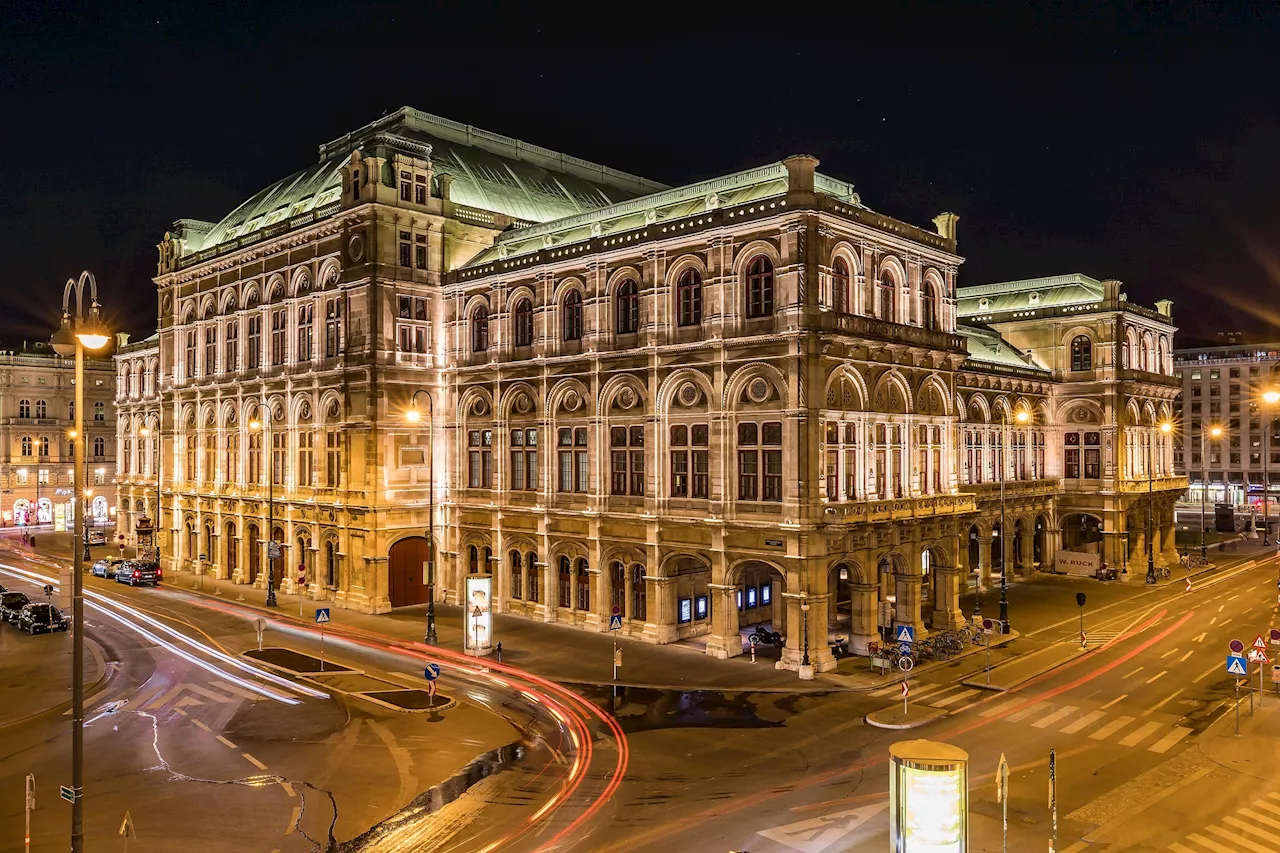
x=420 y=189
x=306 y=458
x=254 y=359
x=406 y=248
x=524 y=460
x=748 y=462
x=480 y=459
x=420 y=252
x=278 y=328
x=771 y=438
x=306 y=316
x=231 y=348
x=332 y=328
x=406 y=186
x=210 y=350
x=232 y=459
x=255 y=458
x=626 y=454
x=42 y=476
x=189 y=470
x=191 y=354
x=333 y=458
x=278 y=441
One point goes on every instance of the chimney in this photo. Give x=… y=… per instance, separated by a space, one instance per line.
x=800 y=169
x=1165 y=307
x=946 y=225
x=122 y=340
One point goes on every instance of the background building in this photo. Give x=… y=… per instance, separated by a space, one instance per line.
x=1223 y=386
x=745 y=400
x=37 y=398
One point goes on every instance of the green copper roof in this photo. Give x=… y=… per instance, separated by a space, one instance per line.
x=1048 y=292
x=489 y=171
x=987 y=346
x=676 y=203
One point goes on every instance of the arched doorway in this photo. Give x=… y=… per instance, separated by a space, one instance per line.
x=1038 y=541
x=997 y=549
x=255 y=552
x=229 y=550
x=44 y=511
x=330 y=563
x=840 y=602
x=1019 y=538
x=405 y=560
x=1082 y=533
x=278 y=564
x=975 y=549
x=22 y=512
x=758 y=597
x=189 y=541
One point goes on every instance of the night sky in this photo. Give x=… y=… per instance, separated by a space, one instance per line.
x=1140 y=145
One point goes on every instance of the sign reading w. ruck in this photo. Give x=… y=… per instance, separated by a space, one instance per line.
x=1076 y=563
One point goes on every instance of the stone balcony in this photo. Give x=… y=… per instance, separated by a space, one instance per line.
x=901 y=509
x=1013 y=489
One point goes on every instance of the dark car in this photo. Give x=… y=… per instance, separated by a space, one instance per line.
x=42 y=618
x=106 y=567
x=135 y=572
x=11 y=604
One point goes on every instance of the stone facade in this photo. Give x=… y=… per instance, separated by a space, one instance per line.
x=746 y=400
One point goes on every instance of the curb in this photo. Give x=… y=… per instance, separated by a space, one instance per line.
x=996 y=688
x=910 y=724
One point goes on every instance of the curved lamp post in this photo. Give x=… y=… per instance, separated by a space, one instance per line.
x=413 y=416
x=1270 y=397
x=1165 y=428
x=79 y=331
x=269 y=451
x=1215 y=432
x=1023 y=417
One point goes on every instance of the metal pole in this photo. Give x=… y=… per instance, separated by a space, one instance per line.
x=1151 y=485
x=431 y=520
x=1237 y=682
x=1266 y=483
x=30 y=804
x=1004 y=806
x=1053 y=798
x=1004 y=568
x=1204 y=487
x=77 y=624
x=804 y=611
x=271 y=508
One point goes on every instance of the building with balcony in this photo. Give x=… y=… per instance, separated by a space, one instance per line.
x=749 y=399
x=37 y=411
x=1223 y=386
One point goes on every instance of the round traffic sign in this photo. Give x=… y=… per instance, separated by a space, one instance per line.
x=617 y=611
x=988 y=624
x=1236 y=646
x=754 y=639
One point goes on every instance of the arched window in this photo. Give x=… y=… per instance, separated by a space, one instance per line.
x=689 y=298
x=840 y=286
x=583 y=585
x=473 y=559
x=480 y=330
x=24 y=408
x=517 y=576
x=760 y=287
x=886 y=296
x=1081 y=353
x=531 y=566
x=639 y=596
x=628 y=308
x=99 y=411
x=571 y=315
x=42 y=409
x=26 y=445
x=524 y=323
x=44 y=445
x=928 y=306
x=71 y=411
x=99 y=447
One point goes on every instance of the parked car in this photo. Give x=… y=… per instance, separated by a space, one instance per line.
x=11 y=604
x=135 y=572
x=106 y=567
x=41 y=618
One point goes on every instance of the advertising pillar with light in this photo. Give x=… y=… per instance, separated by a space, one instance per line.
x=928 y=798
x=478 y=639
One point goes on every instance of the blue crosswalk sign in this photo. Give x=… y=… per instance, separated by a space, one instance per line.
x=431 y=672
x=322 y=615
x=615 y=622
x=1236 y=665
x=904 y=634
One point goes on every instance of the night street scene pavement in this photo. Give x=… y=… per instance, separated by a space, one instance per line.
x=516 y=428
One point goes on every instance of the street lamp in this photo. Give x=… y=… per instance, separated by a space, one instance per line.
x=413 y=416
x=78 y=333
x=256 y=425
x=1023 y=417
x=1216 y=432
x=804 y=612
x=159 y=456
x=1270 y=397
x=1165 y=428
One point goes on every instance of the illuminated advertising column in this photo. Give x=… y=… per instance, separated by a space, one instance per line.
x=928 y=798
x=479 y=618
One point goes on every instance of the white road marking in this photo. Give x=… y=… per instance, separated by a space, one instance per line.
x=1245 y=843
x=1170 y=652
x=255 y=762
x=1234 y=597
x=1157 y=676
x=1260 y=818
x=1115 y=700
x=1212 y=845
x=950 y=700
x=1027 y=712
x=1187 y=655
x=999 y=709
x=1056 y=716
x=1208 y=672
x=226 y=742
x=1213 y=621
x=1134 y=672
x=1203 y=634
x=1111 y=728
x=1178 y=848
x=1166 y=700
x=1170 y=740
x=1140 y=734
x=1079 y=724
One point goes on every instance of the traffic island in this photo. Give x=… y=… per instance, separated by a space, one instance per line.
x=295 y=663
x=894 y=717
x=410 y=701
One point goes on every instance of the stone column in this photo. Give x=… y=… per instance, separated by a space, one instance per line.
x=984 y=558
x=947 y=614
x=662 y=608
x=862 y=630
x=907 y=608
x=724 y=640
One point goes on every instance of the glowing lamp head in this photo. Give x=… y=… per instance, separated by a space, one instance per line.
x=72 y=434
x=1216 y=431
x=1166 y=427
x=1271 y=397
x=255 y=424
x=1022 y=417
x=413 y=415
x=144 y=432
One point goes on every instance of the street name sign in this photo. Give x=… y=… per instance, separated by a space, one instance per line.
x=322 y=615
x=904 y=634
x=66 y=793
x=1237 y=665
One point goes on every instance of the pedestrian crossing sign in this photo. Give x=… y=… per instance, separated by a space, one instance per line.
x=322 y=615
x=904 y=634
x=1236 y=665
x=615 y=622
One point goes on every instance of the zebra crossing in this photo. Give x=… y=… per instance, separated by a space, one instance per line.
x=1100 y=724
x=1256 y=827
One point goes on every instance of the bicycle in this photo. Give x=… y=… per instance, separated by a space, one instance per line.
x=1162 y=573
x=904 y=661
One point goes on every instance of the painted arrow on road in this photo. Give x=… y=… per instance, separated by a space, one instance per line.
x=192 y=688
x=816 y=835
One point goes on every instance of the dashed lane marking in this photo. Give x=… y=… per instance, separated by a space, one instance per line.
x=1187 y=655
x=1116 y=700
x=255 y=762
x=1217 y=667
x=1134 y=672
x=226 y=742
x=1159 y=675
x=1165 y=701
x=179 y=711
x=1170 y=652
x=203 y=726
x=288 y=789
